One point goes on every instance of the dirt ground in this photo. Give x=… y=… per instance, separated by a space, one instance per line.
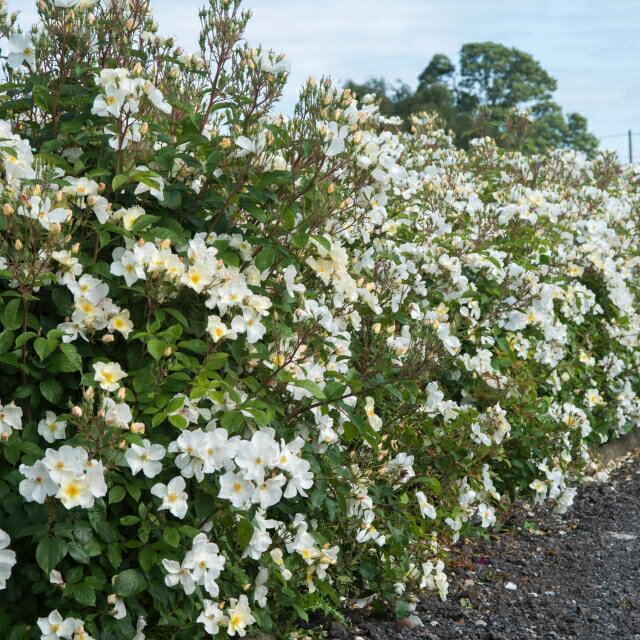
x=543 y=576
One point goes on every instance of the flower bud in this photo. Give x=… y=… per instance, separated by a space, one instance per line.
x=376 y=328
x=144 y=128
x=137 y=68
x=89 y=393
x=7 y=209
x=225 y=143
x=311 y=81
x=165 y=244
x=18 y=244
x=122 y=392
x=75 y=248
x=137 y=427
x=108 y=338
x=56 y=227
x=251 y=63
x=168 y=351
x=331 y=188
x=327 y=99
x=77 y=411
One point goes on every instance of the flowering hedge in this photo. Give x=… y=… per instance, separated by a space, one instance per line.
x=256 y=366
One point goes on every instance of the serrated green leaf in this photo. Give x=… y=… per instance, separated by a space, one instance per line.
x=171 y=536
x=128 y=583
x=51 y=389
x=49 y=552
x=44 y=347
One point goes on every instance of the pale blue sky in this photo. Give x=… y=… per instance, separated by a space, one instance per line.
x=592 y=47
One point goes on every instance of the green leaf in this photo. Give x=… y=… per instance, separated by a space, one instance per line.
x=78 y=552
x=147 y=558
x=156 y=348
x=128 y=583
x=42 y=97
x=44 y=347
x=25 y=337
x=174 y=404
x=6 y=340
x=70 y=359
x=49 y=552
x=118 y=181
x=11 y=315
x=195 y=345
x=265 y=258
x=116 y=494
x=171 y=536
x=245 y=532
x=81 y=593
x=178 y=421
x=51 y=389
x=312 y=387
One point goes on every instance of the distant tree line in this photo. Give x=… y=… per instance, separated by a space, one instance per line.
x=485 y=95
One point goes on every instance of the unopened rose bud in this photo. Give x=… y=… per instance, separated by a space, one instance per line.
x=75 y=248
x=122 y=444
x=168 y=351
x=130 y=23
x=251 y=63
x=122 y=392
x=353 y=127
x=108 y=338
x=4 y=436
x=56 y=227
x=77 y=411
x=311 y=81
x=89 y=393
x=37 y=190
x=165 y=244
x=376 y=328
x=137 y=427
x=18 y=244
x=101 y=413
x=144 y=128
x=225 y=143
x=391 y=329
x=111 y=598
x=7 y=209
x=141 y=242
x=137 y=68
x=327 y=99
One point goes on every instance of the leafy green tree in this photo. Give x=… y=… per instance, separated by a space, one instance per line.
x=479 y=98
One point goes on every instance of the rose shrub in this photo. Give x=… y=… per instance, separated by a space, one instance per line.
x=256 y=366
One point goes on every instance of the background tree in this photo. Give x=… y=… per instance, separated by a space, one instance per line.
x=480 y=95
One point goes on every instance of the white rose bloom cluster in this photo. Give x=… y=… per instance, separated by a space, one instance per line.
x=120 y=99
x=259 y=344
x=7 y=559
x=200 y=566
x=66 y=473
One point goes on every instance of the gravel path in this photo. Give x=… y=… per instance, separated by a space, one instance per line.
x=543 y=576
